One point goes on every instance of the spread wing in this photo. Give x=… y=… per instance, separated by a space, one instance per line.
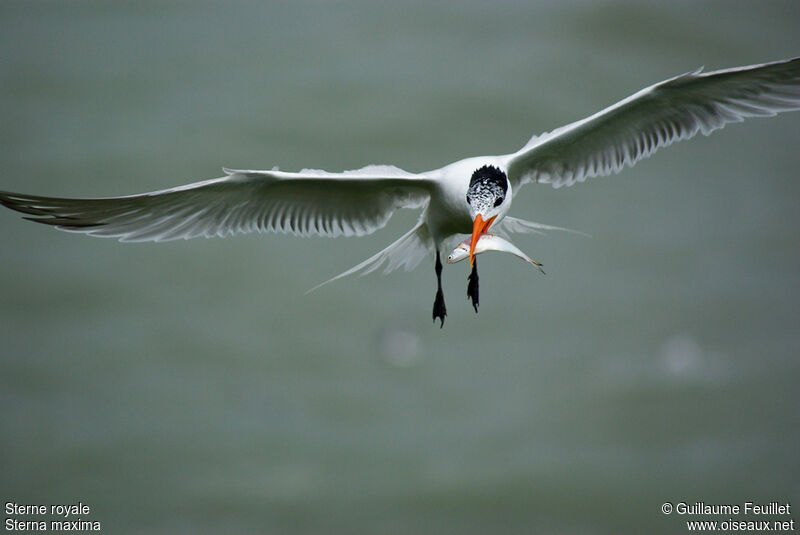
x=655 y=117
x=311 y=202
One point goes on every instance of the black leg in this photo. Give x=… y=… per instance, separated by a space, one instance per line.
x=472 y=286
x=439 y=310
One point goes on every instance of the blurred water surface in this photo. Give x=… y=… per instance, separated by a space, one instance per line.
x=192 y=387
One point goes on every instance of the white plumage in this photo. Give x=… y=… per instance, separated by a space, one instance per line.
x=358 y=202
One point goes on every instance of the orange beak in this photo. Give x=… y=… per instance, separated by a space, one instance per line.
x=479 y=226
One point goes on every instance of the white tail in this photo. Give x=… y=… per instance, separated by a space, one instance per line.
x=520 y=226
x=407 y=252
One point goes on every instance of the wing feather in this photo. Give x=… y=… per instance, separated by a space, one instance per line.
x=656 y=117
x=352 y=203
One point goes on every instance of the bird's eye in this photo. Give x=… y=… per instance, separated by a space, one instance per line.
x=468 y=199
x=498 y=202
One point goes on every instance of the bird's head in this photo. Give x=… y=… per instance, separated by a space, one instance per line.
x=488 y=196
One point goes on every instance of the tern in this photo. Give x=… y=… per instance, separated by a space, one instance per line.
x=467 y=197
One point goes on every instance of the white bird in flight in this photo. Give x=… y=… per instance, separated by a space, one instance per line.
x=465 y=197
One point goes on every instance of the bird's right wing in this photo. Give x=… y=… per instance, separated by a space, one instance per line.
x=311 y=202
x=655 y=117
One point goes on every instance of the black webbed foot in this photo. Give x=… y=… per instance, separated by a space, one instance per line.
x=472 y=286
x=439 y=308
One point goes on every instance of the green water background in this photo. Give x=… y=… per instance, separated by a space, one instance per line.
x=192 y=387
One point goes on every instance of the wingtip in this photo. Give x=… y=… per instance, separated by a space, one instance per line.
x=537 y=265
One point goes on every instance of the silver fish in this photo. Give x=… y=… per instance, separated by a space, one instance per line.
x=490 y=242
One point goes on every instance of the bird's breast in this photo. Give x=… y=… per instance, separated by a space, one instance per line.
x=448 y=214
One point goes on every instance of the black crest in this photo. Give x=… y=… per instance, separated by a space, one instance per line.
x=487 y=187
x=489 y=178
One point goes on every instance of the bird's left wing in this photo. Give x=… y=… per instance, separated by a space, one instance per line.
x=311 y=202
x=655 y=117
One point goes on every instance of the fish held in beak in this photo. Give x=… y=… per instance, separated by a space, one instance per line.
x=490 y=242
